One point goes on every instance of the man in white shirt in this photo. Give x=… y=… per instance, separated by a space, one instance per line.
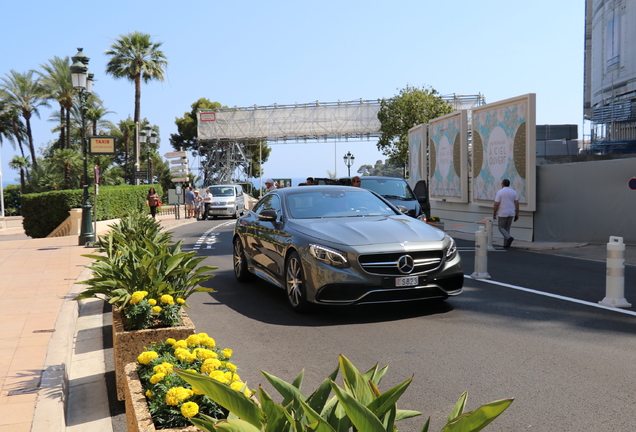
x=507 y=208
x=206 y=201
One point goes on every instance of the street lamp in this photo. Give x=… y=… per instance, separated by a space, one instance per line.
x=148 y=134
x=83 y=81
x=348 y=160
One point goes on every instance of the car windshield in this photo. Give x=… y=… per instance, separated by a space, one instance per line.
x=389 y=188
x=222 y=191
x=309 y=204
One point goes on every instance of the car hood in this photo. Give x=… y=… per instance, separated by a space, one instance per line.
x=368 y=230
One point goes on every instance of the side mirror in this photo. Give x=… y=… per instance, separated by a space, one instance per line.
x=268 y=215
x=403 y=209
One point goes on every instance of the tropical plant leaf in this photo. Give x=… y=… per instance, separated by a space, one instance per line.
x=474 y=421
x=361 y=417
x=459 y=407
x=228 y=398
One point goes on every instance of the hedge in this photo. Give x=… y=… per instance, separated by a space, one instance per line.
x=43 y=212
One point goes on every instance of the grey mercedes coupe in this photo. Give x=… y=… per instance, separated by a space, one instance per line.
x=341 y=245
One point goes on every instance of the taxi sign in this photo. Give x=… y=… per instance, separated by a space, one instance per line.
x=176 y=154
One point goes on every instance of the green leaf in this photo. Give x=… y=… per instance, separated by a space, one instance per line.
x=290 y=393
x=318 y=423
x=361 y=417
x=459 y=407
x=236 y=425
x=474 y=421
x=355 y=381
x=228 y=398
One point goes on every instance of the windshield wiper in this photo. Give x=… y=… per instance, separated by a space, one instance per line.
x=395 y=197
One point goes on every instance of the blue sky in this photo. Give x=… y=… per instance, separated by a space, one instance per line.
x=253 y=52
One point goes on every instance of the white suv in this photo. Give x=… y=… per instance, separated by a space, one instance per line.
x=227 y=200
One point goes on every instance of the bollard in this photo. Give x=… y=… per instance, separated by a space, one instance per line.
x=489 y=232
x=481 y=255
x=615 y=276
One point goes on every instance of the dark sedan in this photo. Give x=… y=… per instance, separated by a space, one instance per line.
x=342 y=245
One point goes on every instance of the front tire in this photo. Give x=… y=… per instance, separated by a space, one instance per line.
x=295 y=283
x=239 y=262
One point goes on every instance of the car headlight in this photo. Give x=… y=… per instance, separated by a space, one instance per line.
x=451 y=250
x=230 y=202
x=329 y=256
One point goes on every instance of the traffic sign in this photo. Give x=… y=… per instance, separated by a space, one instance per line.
x=179 y=174
x=180 y=180
x=179 y=168
x=176 y=154
x=176 y=161
x=141 y=174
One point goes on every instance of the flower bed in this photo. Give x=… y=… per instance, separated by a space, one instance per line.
x=168 y=399
x=128 y=344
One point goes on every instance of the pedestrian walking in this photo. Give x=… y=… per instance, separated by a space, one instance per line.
x=189 y=199
x=507 y=208
x=152 y=201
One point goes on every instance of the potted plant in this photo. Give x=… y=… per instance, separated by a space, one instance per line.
x=148 y=281
x=159 y=399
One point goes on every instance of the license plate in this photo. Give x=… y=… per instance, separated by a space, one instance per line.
x=406 y=281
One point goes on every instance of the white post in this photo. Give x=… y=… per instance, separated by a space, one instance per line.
x=489 y=232
x=615 y=279
x=481 y=254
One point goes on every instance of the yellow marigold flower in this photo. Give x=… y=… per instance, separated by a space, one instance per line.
x=152 y=302
x=189 y=409
x=237 y=385
x=170 y=341
x=219 y=376
x=203 y=335
x=180 y=301
x=227 y=353
x=231 y=366
x=208 y=342
x=193 y=340
x=205 y=354
x=157 y=378
x=177 y=395
x=191 y=370
x=167 y=298
x=138 y=296
x=210 y=365
x=181 y=353
x=118 y=252
x=156 y=310
x=164 y=368
x=231 y=376
x=149 y=394
x=146 y=357
x=180 y=344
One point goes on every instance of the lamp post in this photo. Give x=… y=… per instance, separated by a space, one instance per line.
x=83 y=82
x=148 y=134
x=348 y=160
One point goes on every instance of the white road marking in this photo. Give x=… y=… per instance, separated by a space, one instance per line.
x=556 y=296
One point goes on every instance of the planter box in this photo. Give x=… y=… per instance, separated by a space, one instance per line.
x=138 y=417
x=127 y=345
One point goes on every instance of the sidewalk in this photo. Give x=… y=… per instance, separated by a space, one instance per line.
x=49 y=349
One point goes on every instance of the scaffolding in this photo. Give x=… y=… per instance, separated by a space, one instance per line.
x=223 y=132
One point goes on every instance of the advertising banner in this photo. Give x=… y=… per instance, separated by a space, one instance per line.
x=504 y=146
x=418 y=169
x=448 y=156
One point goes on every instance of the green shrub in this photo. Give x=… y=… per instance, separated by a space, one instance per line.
x=11 y=196
x=43 y=212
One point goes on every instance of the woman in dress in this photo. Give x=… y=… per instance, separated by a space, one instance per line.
x=152 y=200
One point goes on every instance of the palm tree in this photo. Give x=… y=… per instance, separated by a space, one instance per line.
x=22 y=164
x=56 y=82
x=22 y=92
x=135 y=57
x=70 y=160
x=95 y=114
